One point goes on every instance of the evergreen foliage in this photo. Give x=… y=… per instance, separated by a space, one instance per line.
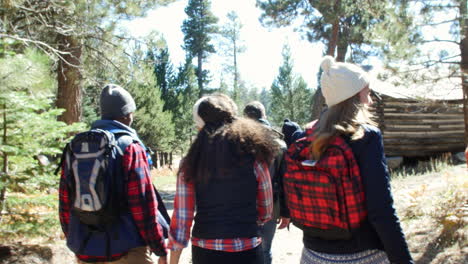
x=67 y=31
x=153 y=123
x=187 y=95
x=290 y=97
x=342 y=25
x=231 y=45
x=30 y=135
x=198 y=29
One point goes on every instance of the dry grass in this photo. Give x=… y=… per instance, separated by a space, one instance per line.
x=433 y=209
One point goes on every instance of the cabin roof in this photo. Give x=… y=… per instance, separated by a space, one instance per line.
x=446 y=90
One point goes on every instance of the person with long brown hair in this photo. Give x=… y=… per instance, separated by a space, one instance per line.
x=225 y=177
x=379 y=238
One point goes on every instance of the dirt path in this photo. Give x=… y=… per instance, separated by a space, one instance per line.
x=413 y=195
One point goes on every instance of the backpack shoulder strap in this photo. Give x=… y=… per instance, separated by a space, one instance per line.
x=340 y=143
x=66 y=150
x=123 y=138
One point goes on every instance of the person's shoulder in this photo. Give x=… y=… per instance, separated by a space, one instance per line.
x=371 y=131
x=128 y=144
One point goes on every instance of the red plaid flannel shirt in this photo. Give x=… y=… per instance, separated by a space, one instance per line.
x=141 y=197
x=184 y=209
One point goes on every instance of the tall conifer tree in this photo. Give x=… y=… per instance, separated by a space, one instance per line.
x=198 y=29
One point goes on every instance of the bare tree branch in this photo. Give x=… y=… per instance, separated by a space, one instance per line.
x=42 y=46
x=102 y=55
x=440 y=40
x=438 y=23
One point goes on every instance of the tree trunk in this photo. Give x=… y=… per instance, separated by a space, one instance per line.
x=200 y=74
x=342 y=47
x=69 y=79
x=4 y=176
x=166 y=158
x=333 y=38
x=155 y=160
x=161 y=159
x=464 y=61
x=318 y=101
x=236 y=90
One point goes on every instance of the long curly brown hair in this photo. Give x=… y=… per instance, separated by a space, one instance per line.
x=225 y=141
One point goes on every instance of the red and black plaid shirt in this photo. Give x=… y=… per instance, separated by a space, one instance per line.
x=142 y=202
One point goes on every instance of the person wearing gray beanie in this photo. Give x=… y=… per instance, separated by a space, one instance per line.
x=139 y=217
x=116 y=102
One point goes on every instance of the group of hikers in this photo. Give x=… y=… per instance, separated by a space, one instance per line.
x=240 y=180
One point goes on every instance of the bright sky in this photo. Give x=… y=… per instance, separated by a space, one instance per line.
x=259 y=64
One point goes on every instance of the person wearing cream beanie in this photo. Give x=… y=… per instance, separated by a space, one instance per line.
x=379 y=239
x=341 y=81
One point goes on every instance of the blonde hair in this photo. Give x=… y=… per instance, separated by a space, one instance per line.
x=343 y=119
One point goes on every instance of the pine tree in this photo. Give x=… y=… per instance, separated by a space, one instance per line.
x=290 y=97
x=26 y=113
x=198 y=29
x=187 y=94
x=231 y=46
x=69 y=31
x=165 y=75
x=153 y=124
x=342 y=25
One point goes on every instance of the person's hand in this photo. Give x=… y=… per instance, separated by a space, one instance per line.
x=162 y=260
x=283 y=222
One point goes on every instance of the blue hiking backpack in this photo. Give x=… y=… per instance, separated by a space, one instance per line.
x=91 y=163
x=94 y=181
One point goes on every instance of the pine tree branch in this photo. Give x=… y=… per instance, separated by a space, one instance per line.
x=438 y=23
x=46 y=48
x=35 y=42
x=102 y=55
x=440 y=40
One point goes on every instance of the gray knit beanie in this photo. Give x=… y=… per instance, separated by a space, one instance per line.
x=116 y=102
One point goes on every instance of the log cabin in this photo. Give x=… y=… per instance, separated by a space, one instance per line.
x=414 y=127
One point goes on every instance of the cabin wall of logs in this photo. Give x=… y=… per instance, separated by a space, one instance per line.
x=414 y=128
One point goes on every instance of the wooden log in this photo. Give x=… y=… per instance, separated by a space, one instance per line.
x=412 y=153
x=441 y=148
x=398 y=141
x=422 y=129
x=426 y=115
x=411 y=111
x=424 y=133
x=389 y=121
x=418 y=135
x=423 y=104
x=402 y=117
x=424 y=146
x=422 y=108
x=425 y=126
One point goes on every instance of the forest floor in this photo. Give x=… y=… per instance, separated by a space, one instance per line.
x=433 y=209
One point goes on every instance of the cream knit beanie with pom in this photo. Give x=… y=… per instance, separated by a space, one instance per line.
x=341 y=81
